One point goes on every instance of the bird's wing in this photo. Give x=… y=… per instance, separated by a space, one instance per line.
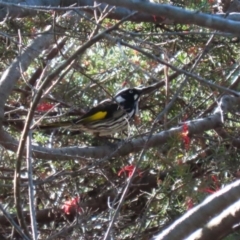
x=103 y=110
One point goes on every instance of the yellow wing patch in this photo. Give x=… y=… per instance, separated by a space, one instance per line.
x=97 y=116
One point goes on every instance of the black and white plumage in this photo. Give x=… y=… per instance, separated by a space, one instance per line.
x=108 y=117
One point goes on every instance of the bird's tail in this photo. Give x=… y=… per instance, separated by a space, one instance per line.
x=53 y=125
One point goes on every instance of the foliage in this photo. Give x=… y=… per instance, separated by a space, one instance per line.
x=170 y=179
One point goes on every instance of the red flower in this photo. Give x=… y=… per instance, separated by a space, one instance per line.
x=124 y=83
x=72 y=205
x=129 y=169
x=185 y=137
x=44 y=107
x=207 y=190
x=215 y=186
x=189 y=203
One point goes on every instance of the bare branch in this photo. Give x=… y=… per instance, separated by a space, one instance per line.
x=13 y=72
x=13 y=223
x=31 y=187
x=202 y=213
x=166 y=14
x=220 y=226
x=135 y=145
x=179 y=15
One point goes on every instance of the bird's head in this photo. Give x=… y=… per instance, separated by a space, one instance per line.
x=130 y=95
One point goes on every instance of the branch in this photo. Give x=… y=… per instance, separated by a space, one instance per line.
x=122 y=149
x=201 y=214
x=180 y=15
x=162 y=13
x=31 y=187
x=220 y=226
x=11 y=75
x=37 y=97
x=23 y=9
x=7 y=219
x=180 y=70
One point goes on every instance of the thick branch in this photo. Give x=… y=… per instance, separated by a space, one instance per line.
x=134 y=145
x=129 y=146
x=20 y=64
x=30 y=8
x=180 y=15
x=201 y=214
x=162 y=13
x=220 y=226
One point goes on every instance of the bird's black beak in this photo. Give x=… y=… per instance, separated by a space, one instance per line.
x=146 y=90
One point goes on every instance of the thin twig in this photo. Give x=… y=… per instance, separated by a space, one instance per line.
x=194 y=76
x=30 y=186
x=17 y=174
x=63 y=231
x=30 y=115
x=13 y=223
x=108 y=232
x=167 y=108
x=49 y=8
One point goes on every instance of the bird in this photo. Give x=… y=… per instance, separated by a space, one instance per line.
x=109 y=116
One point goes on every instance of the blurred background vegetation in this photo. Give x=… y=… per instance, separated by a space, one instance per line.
x=179 y=177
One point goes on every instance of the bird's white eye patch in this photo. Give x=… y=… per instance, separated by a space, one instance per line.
x=135 y=96
x=120 y=99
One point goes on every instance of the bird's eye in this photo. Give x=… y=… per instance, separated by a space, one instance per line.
x=130 y=91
